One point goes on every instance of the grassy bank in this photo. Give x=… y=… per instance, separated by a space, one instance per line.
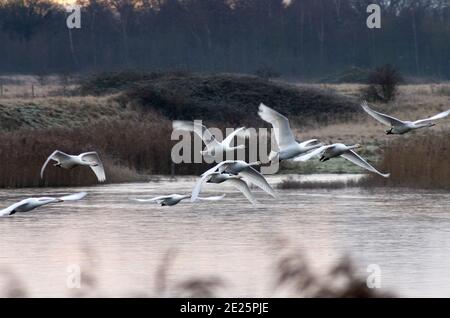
x=127 y=117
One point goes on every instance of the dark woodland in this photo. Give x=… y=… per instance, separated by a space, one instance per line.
x=306 y=39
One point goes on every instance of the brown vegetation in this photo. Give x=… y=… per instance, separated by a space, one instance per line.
x=416 y=161
x=124 y=146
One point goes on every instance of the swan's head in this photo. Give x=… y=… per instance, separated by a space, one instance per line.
x=356 y=146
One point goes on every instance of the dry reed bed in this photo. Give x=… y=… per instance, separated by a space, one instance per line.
x=419 y=161
x=125 y=147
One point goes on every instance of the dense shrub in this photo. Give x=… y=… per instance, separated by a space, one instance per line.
x=234 y=99
x=382 y=84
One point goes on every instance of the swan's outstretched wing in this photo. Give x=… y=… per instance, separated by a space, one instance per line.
x=227 y=141
x=156 y=199
x=198 y=186
x=99 y=170
x=359 y=161
x=435 y=117
x=382 y=118
x=10 y=210
x=257 y=179
x=311 y=142
x=220 y=165
x=312 y=154
x=73 y=197
x=280 y=123
x=198 y=129
x=242 y=186
x=215 y=198
x=57 y=156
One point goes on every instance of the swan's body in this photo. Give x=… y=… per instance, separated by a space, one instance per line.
x=287 y=144
x=213 y=148
x=174 y=199
x=65 y=161
x=29 y=204
x=241 y=169
x=336 y=150
x=400 y=127
x=231 y=179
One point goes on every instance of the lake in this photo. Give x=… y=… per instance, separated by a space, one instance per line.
x=119 y=244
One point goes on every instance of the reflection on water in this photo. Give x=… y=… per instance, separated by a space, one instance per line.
x=121 y=243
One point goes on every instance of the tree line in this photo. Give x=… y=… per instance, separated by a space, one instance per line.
x=298 y=38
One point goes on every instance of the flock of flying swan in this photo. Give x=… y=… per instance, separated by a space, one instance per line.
x=236 y=173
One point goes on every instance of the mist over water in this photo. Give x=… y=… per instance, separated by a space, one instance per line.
x=120 y=243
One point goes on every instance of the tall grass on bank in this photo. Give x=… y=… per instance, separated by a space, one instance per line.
x=126 y=147
x=419 y=161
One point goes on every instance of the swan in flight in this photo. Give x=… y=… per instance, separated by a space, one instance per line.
x=245 y=170
x=336 y=150
x=66 y=161
x=213 y=146
x=33 y=203
x=231 y=179
x=287 y=144
x=174 y=199
x=399 y=127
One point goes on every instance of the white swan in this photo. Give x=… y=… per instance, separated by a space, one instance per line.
x=33 y=203
x=217 y=177
x=174 y=199
x=66 y=161
x=400 y=127
x=245 y=170
x=213 y=147
x=336 y=150
x=288 y=146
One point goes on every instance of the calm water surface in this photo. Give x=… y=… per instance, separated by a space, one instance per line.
x=119 y=244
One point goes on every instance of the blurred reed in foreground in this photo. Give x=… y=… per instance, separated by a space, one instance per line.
x=293 y=276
